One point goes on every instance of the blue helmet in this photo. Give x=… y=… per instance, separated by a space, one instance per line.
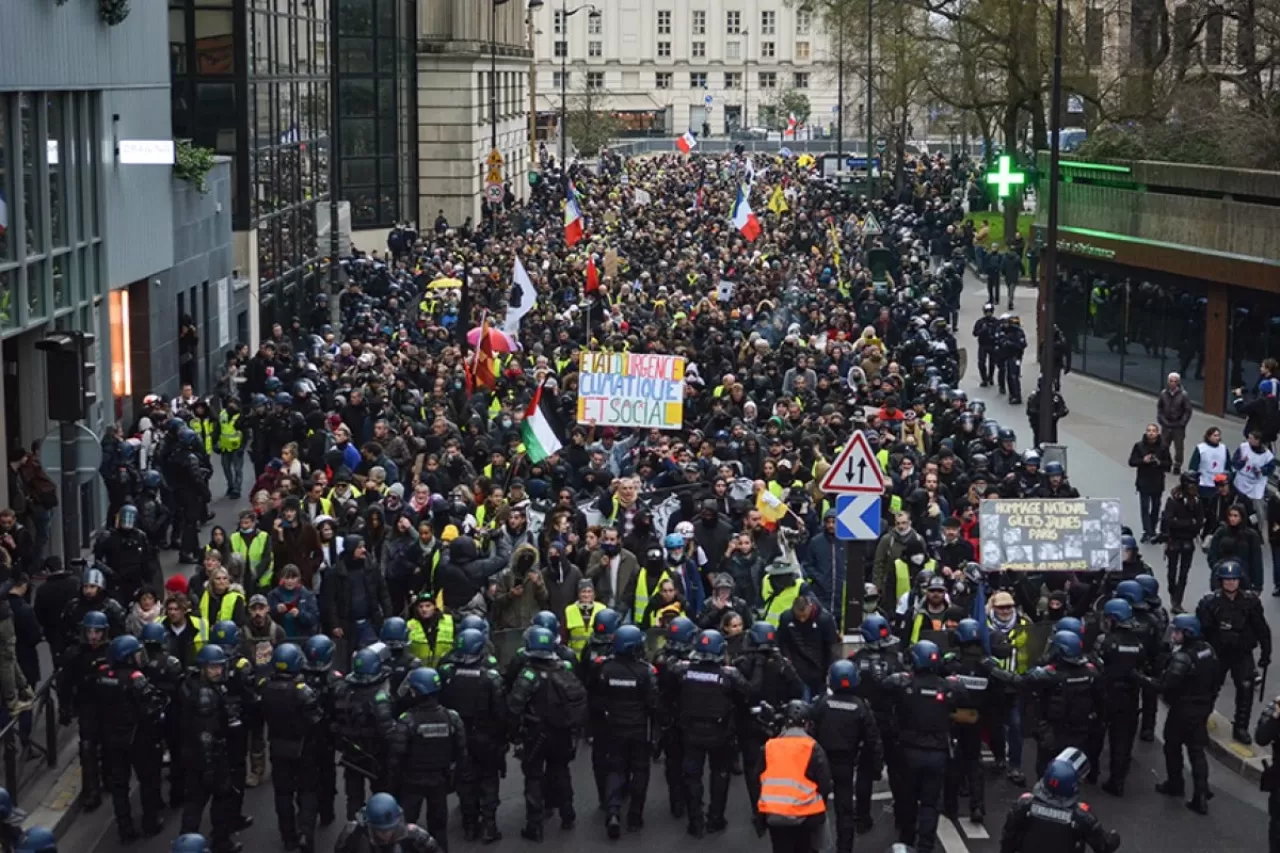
x=1054 y=469
x=1061 y=779
x=1188 y=625
x=423 y=681
x=273 y=384
x=1128 y=543
x=285 y=399
x=151 y=480
x=875 y=630
x=152 y=632
x=395 y=632
x=925 y=656
x=123 y=650
x=1065 y=645
x=96 y=620
x=1130 y=591
x=37 y=840
x=763 y=635
x=192 y=842
x=319 y=652
x=226 y=633
x=546 y=619
x=843 y=675
x=189 y=438
x=1229 y=569
x=366 y=665
x=968 y=631
x=628 y=640
x=385 y=818
x=1149 y=585
x=680 y=632
x=1071 y=624
x=606 y=623
x=287 y=658
x=1118 y=610
x=673 y=542
x=211 y=656
x=471 y=645
x=709 y=644
x=476 y=622
x=6 y=806
x=539 y=643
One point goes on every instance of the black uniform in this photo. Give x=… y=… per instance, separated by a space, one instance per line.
x=594 y=654
x=78 y=697
x=294 y=716
x=773 y=680
x=209 y=720
x=476 y=693
x=547 y=705
x=322 y=746
x=1156 y=619
x=133 y=561
x=1013 y=343
x=1070 y=693
x=428 y=743
x=845 y=727
x=355 y=839
x=1268 y=734
x=191 y=493
x=242 y=688
x=984 y=681
x=399 y=665
x=1042 y=823
x=131 y=718
x=1123 y=655
x=1190 y=684
x=165 y=672
x=364 y=714
x=711 y=696
x=1235 y=626
x=987 y=332
x=626 y=691
x=1180 y=523
x=669 y=742
x=923 y=702
x=874 y=666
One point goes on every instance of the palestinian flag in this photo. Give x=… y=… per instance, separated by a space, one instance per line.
x=539 y=438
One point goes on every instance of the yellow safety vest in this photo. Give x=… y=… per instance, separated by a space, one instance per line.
x=919 y=624
x=779 y=603
x=354 y=495
x=225 y=611
x=422 y=648
x=579 y=630
x=1018 y=660
x=326 y=506
x=253 y=553
x=641 y=603
x=203 y=427
x=230 y=436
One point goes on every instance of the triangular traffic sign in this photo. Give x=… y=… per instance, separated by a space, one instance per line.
x=871 y=226
x=855 y=469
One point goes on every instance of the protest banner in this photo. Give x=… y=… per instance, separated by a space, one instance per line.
x=631 y=390
x=1046 y=535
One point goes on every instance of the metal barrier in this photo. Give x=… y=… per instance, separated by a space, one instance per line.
x=10 y=736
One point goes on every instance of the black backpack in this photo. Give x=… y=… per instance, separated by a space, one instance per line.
x=566 y=700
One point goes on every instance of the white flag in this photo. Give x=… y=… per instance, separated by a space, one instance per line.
x=523 y=297
x=642 y=197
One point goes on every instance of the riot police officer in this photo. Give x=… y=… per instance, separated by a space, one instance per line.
x=473 y=688
x=132 y=715
x=129 y=553
x=774 y=682
x=987 y=333
x=364 y=713
x=547 y=706
x=209 y=721
x=878 y=658
x=380 y=827
x=1070 y=689
x=845 y=727
x=37 y=840
x=165 y=672
x=11 y=819
x=293 y=715
x=1122 y=655
x=395 y=633
x=594 y=654
x=677 y=648
x=1234 y=624
x=924 y=700
x=77 y=692
x=711 y=696
x=541 y=619
x=1153 y=613
x=428 y=743
x=241 y=688
x=625 y=689
x=190 y=480
x=1052 y=819
x=318 y=672
x=191 y=842
x=1190 y=684
x=1013 y=343
x=1268 y=734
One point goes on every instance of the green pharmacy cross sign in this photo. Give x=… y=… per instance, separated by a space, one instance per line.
x=1005 y=178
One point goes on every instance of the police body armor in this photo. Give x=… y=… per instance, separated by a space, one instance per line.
x=874 y=666
x=432 y=747
x=624 y=688
x=706 y=703
x=926 y=718
x=132 y=708
x=207 y=718
x=474 y=691
x=1069 y=702
x=291 y=709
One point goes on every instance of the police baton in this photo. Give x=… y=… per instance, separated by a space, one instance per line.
x=1262 y=684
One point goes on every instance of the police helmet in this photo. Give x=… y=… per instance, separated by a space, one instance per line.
x=257 y=399
x=1188 y=624
x=968 y=631
x=395 y=632
x=123 y=650
x=925 y=656
x=287 y=658
x=273 y=384
x=842 y=675
x=680 y=633
x=191 y=842
x=152 y=633
x=606 y=623
x=763 y=636
x=284 y=399
x=1128 y=543
x=211 y=656
x=1229 y=569
x=1060 y=779
x=546 y=619
x=470 y=645
x=1006 y=434
x=919 y=361
x=366 y=665
x=796 y=713
x=423 y=681
x=1069 y=623
x=875 y=630
x=709 y=645
x=319 y=652
x=1054 y=469
x=188 y=438
x=1149 y=585
x=1118 y=610
x=1130 y=591
x=127 y=518
x=539 y=643
x=988 y=308
x=95 y=620
x=1030 y=459
x=37 y=840
x=1065 y=646
x=226 y=634
x=151 y=480
x=385 y=819
x=628 y=640
x=474 y=622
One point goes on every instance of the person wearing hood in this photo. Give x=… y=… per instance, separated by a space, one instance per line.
x=521 y=592
x=464 y=573
x=721 y=601
x=824 y=566
x=561 y=577
x=294 y=541
x=400 y=562
x=889 y=575
x=1150 y=458
x=354 y=600
x=808 y=637
x=712 y=532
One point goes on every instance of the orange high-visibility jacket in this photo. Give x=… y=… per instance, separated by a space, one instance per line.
x=785 y=787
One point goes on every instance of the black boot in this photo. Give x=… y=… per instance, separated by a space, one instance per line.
x=152 y=825
x=489 y=831
x=1171 y=788
x=126 y=830
x=1114 y=787
x=531 y=833
x=470 y=831
x=1241 y=734
x=613 y=827
x=1199 y=802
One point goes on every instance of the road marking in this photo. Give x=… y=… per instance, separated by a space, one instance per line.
x=975 y=831
x=950 y=837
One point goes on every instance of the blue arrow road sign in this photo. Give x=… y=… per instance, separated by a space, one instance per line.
x=858 y=517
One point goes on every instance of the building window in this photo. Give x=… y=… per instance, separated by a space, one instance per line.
x=698 y=50
x=768 y=80
x=595 y=48
x=558 y=26
x=664 y=50
x=803 y=52
x=800 y=80
x=699 y=22
x=766 y=50
x=664 y=22
x=662 y=80
x=733 y=79
x=768 y=23
x=698 y=80
x=561 y=79
x=732 y=22
x=804 y=21
x=594 y=24
x=562 y=49
x=1213 y=38
x=595 y=80
x=733 y=50
x=1093 y=19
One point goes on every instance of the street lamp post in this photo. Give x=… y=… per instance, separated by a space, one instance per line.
x=565 y=15
x=746 y=80
x=1050 y=273
x=871 y=183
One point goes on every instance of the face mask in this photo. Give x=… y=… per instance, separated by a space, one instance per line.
x=917 y=559
x=709 y=521
x=609 y=548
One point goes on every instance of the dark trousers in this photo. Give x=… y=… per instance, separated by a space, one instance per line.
x=720 y=758
x=294 y=785
x=1149 y=508
x=1185 y=728
x=546 y=777
x=752 y=763
x=993 y=289
x=325 y=765
x=966 y=763
x=600 y=762
x=186 y=525
x=478 y=782
x=1013 y=377
x=436 y=799
x=355 y=778
x=673 y=769
x=238 y=759
x=628 y=774
x=1179 y=563
x=177 y=772
x=1239 y=662
x=795 y=839
x=223 y=813
x=1122 y=725
x=120 y=764
x=986 y=364
x=842 y=773
x=926 y=769
x=1273 y=825
x=894 y=766
x=92 y=768
x=1150 y=705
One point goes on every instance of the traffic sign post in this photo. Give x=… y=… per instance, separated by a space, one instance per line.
x=871 y=226
x=493 y=192
x=855 y=477
x=856 y=470
x=880 y=144
x=857 y=517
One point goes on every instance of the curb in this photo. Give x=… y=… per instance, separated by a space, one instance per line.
x=60 y=805
x=1245 y=761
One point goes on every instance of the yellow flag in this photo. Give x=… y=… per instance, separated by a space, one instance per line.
x=778 y=201
x=770 y=506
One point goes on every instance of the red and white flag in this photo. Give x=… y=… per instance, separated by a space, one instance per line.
x=687 y=143
x=743 y=219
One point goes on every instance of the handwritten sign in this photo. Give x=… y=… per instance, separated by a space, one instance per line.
x=1080 y=535
x=631 y=390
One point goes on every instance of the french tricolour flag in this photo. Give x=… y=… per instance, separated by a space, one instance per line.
x=572 y=217
x=687 y=143
x=743 y=219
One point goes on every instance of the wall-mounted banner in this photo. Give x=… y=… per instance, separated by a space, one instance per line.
x=1081 y=535
x=631 y=390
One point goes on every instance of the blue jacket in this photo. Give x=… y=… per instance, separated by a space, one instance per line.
x=824 y=568
x=302 y=622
